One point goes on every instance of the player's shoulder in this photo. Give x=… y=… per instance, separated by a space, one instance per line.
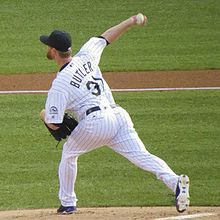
x=64 y=75
x=65 y=70
x=61 y=81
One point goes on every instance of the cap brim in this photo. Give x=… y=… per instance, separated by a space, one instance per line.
x=44 y=39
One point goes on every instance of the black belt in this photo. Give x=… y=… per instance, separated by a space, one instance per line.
x=93 y=109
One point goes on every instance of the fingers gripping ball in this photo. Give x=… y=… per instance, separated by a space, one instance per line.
x=140 y=19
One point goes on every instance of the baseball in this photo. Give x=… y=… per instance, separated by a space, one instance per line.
x=140 y=18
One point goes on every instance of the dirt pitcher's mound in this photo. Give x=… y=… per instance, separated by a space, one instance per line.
x=115 y=213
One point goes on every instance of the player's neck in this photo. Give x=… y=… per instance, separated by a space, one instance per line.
x=62 y=61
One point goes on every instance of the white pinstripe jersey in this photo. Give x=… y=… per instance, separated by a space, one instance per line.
x=79 y=85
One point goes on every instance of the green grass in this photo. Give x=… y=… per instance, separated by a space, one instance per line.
x=180 y=34
x=181 y=127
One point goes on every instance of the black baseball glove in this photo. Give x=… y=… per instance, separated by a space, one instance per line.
x=65 y=128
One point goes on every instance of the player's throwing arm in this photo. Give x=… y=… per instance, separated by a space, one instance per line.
x=113 y=33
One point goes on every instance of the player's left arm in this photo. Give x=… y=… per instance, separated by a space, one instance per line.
x=62 y=130
x=55 y=106
x=59 y=123
x=50 y=125
x=115 y=32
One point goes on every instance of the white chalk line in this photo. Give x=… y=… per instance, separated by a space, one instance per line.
x=165 y=89
x=118 y=90
x=193 y=216
x=24 y=91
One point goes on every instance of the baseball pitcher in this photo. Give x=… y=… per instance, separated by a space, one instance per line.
x=79 y=87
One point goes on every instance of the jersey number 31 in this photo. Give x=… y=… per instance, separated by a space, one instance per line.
x=94 y=87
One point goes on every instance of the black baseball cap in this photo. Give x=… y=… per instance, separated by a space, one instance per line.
x=59 y=40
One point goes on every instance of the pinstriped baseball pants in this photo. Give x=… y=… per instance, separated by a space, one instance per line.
x=113 y=128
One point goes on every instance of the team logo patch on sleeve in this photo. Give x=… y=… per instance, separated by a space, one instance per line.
x=53 y=110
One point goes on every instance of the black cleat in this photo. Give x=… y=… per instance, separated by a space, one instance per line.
x=66 y=210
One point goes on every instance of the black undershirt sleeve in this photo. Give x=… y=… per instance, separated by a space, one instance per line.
x=104 y=39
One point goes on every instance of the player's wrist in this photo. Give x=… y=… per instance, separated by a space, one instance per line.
x=134 y=19
x=53 y=126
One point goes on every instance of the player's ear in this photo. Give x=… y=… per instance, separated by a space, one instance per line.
x=54 y=53
x=53 y=50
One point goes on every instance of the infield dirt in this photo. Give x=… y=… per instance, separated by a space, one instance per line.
x=168 y=79
x=121 y=80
